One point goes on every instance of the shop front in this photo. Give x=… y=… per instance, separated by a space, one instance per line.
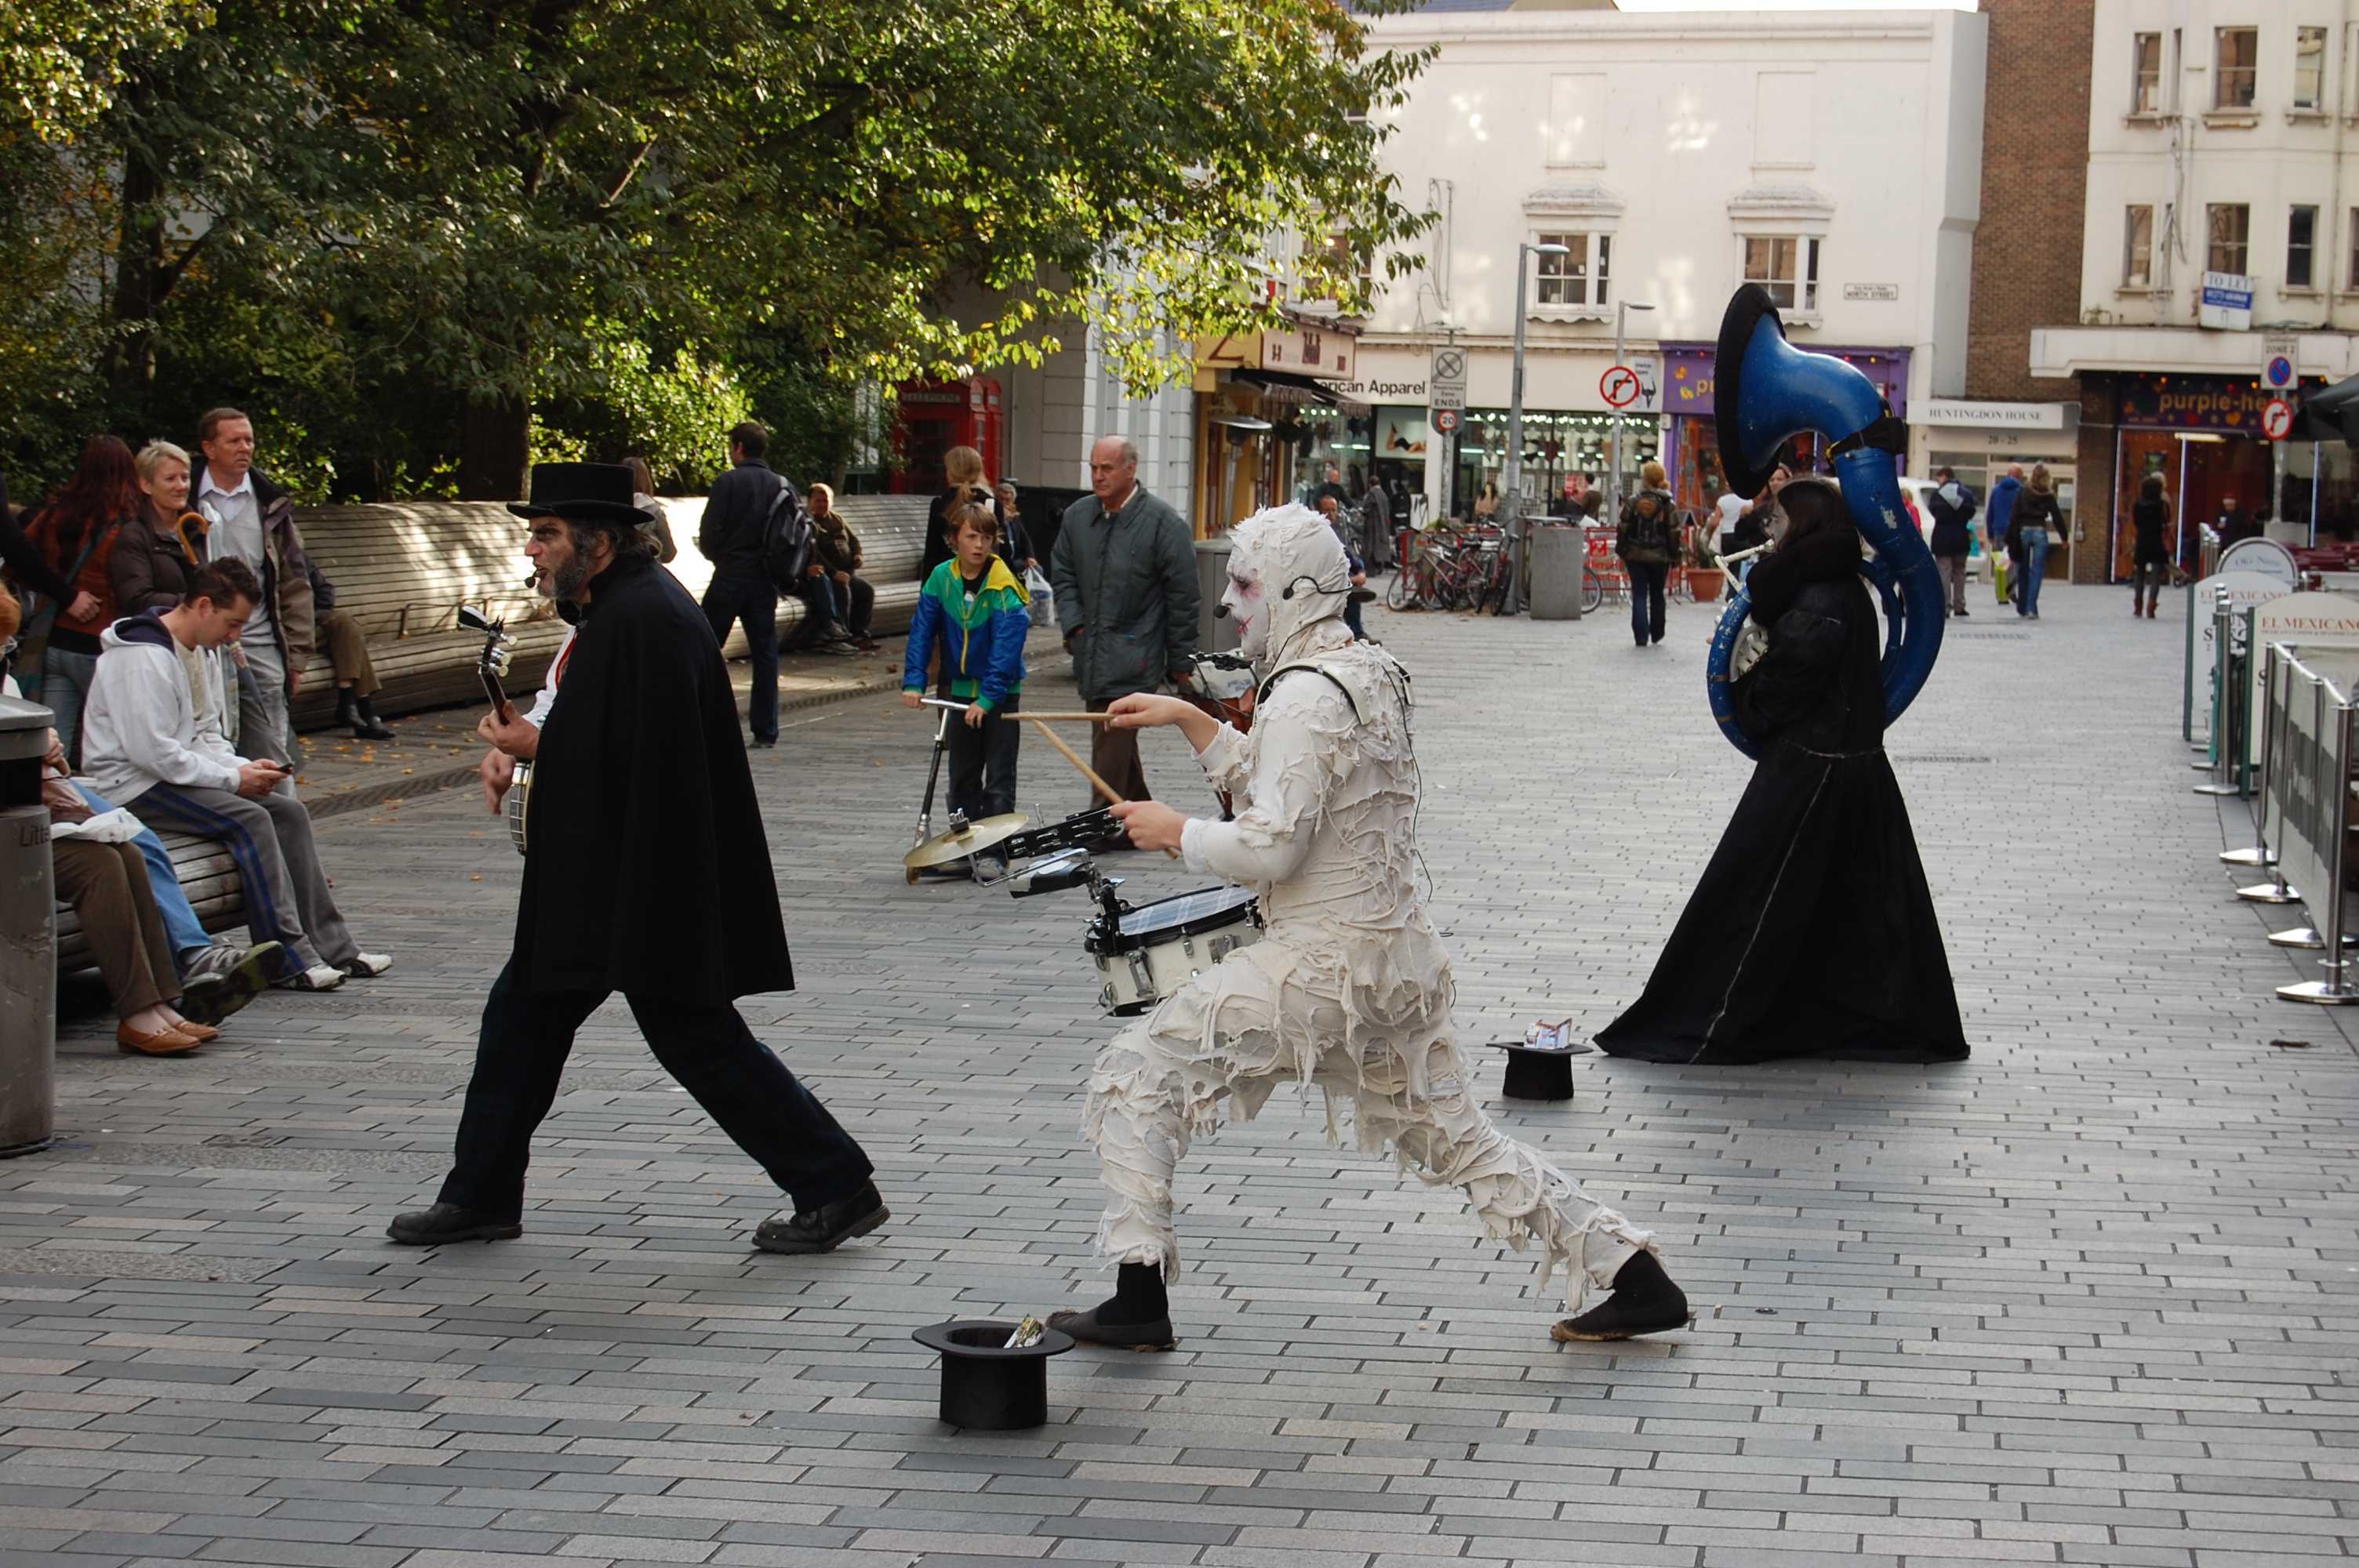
x=1691 y=440
x=2200 y=434
x=1269 y=417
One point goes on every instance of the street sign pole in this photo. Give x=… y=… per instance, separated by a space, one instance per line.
x=2281 y=374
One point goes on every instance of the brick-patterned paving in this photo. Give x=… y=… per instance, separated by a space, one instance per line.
x=2086 y=1299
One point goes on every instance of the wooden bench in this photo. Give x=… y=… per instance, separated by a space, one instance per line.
x=402 y=571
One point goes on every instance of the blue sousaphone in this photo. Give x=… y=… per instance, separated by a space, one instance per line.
x=1765 y=391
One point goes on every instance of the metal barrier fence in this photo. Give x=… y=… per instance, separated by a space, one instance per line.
x=2307 y=756
x=2229 y=754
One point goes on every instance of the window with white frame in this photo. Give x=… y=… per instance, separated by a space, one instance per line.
x=2310 y=68
x=1580 y=277
x=1787 y=267
x=2137 y=247
x=2228 y=233
x=2145 y=73
x=2301 y=247
x=2235 y=67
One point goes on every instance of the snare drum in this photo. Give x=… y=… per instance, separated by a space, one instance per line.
x=1158 y=946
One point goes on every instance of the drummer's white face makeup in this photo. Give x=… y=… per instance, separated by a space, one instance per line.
x=1243 y=599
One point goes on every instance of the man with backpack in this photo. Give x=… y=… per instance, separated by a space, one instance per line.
x=750 y=516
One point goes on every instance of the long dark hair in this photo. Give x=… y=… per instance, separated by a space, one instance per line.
x=103 y=490
x=2151 y=488
x=1814 y=506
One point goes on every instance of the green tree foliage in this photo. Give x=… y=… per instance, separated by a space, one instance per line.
x=411 y=229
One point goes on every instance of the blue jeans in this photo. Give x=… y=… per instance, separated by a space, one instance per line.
x=65 y=685
x=1649 y=615
x=2034 y=570
x=181 y=927
x=753 y=602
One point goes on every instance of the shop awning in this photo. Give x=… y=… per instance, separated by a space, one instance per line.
x=1286 y=388
x=2331 y=415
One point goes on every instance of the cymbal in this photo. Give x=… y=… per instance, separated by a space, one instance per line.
x=981 y=834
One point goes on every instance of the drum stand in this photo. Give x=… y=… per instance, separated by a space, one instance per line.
x=926 y=811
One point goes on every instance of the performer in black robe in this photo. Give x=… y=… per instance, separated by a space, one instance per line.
x=1812 y=933
x=647 y=872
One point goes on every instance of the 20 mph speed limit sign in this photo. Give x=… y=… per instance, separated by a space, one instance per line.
x=1620 y=386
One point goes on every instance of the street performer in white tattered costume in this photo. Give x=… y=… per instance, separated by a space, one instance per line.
x=1349 y=987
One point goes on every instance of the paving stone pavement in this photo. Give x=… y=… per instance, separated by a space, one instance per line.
x=2087 y=1298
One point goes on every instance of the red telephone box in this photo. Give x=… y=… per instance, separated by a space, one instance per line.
x=938 y=414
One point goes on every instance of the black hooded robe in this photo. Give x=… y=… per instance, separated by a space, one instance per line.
x=650 y=872
x=1812 y=933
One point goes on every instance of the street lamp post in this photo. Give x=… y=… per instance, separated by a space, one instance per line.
x=1614 y=471
x=1512 y=603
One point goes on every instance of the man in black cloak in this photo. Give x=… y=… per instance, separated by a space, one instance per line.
x=1812 y=933
x=647 y=872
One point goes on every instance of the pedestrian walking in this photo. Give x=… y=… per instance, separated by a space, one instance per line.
x=2149 y=554
x=2036 y=523
x=1954 y=507
x=1123 y=574
x=736 y=511
x=1647 y=541
x=252 y=520
x=647 y=871
x=1996 y=517
x=75 y=533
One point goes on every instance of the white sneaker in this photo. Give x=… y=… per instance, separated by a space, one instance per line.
x=368 y=966
x=318 y=977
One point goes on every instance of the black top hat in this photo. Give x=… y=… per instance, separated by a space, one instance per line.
x=582 y=492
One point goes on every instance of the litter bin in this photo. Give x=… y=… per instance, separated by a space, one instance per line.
x=29 y=955
x=1214 y=633
x=1560 y=554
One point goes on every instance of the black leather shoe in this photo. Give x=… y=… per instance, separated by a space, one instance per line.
x=449 y=1222
x=1645 y=1301
x=1085 y=1327
x=826 y=1227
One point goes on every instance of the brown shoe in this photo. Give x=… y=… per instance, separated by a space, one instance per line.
x=203 y=1033
x=163 y=1042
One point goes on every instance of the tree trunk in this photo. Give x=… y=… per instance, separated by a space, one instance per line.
x=138 y=272
x=494 y=448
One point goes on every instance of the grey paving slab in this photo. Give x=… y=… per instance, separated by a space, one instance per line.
x=2088 y=1298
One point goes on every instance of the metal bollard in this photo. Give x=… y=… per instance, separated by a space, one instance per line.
x=28 y=954
x=2259 y=853
x=2223 y=762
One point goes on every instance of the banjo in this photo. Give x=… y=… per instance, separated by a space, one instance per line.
x=499 y=649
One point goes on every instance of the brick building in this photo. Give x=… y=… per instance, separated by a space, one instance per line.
x=2026 y=267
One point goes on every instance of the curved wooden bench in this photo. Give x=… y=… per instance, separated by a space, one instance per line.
x=206 y=875
x=403 y=570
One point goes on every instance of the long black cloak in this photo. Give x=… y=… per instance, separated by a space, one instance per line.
x=1812 y=933
x=647 y=871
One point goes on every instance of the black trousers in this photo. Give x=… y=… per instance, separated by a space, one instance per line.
x=854 y=604
x=737 y=1079
x=982 y=761
x=753 y=602
x=1647 y=618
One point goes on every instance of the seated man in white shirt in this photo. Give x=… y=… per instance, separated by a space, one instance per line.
x=153 y=740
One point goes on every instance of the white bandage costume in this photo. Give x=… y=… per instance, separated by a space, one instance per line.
x=1349 y=987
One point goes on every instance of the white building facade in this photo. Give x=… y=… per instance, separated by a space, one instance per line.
x=1833 y=157
x=2217 y=136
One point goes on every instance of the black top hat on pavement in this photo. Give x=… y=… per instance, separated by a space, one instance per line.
x=582 y=492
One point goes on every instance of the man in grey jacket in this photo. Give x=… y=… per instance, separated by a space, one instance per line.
x=1125 y=576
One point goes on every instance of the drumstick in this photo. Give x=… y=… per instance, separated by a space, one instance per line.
x=1087 y=772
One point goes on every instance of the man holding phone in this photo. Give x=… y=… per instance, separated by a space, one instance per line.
x=154 y=740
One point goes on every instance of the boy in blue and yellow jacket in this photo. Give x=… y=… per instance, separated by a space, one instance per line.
x=975 y=609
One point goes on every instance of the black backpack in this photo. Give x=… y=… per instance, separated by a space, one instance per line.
x=788 y=538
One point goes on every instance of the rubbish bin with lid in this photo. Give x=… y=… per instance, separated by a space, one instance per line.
x=1214 y=634
x=29 y=957
x=1560 y=554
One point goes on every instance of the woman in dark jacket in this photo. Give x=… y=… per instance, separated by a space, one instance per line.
x=962 y=466
x=76 y=533
x=2150 y=556
x=164 y=548
x=1812 y=933
x=2037 y=524
x=1648 y=542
